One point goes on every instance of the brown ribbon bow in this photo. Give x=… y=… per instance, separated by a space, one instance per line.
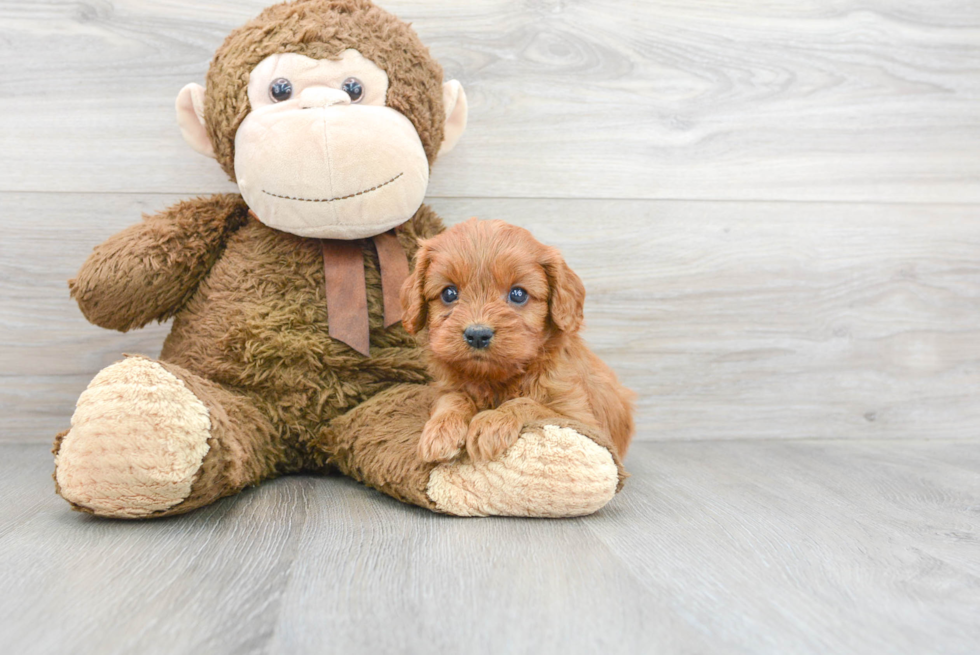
x=343 y=268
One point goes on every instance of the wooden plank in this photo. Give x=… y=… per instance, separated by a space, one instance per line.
x=26 y=488
x=363 y=574
x=405 y=580
x=96 y=586
x=731 y=320
x=722 y=547
x=859 y=101
x=808 y=547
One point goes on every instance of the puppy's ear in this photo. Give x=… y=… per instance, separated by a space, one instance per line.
x=413 y=293
x=566 y=303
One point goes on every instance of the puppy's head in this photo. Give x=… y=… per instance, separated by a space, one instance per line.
x=492 y=297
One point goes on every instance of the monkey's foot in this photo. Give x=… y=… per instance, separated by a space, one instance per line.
x=551 y=471
x=138 y=438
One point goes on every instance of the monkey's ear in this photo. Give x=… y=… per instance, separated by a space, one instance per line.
x=413 y=294
x=190 y=118
x=454 y=99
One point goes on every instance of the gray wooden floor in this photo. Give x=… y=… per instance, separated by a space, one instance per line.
x=713 y=547
x=775 y=208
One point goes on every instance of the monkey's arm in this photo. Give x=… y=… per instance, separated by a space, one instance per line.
x=148 y=271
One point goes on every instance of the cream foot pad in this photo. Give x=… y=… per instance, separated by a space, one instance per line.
x=138 y=436
x=549 y=472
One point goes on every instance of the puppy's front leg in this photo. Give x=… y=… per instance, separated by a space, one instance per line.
x=445 y=432
x=526 y=409
x=495 y=430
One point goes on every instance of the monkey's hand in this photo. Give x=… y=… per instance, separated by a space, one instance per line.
x=148 y=271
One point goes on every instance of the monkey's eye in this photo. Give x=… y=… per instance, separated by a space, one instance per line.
x=518 y=296
x=450 y=295
x=353 y=87
x=281 y=89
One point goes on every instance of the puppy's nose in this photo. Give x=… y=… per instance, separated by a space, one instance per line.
x=478 y=336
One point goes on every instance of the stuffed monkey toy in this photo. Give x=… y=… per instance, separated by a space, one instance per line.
x=286 y=352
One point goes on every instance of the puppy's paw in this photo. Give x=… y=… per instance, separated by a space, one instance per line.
x=443 y=437
x=491 y=433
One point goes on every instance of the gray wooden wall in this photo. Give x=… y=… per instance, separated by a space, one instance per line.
x=774 y=205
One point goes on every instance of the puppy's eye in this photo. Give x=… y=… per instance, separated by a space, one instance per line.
x=281 y=89
x=518 y=296
x=450 y=295
x=353 y=87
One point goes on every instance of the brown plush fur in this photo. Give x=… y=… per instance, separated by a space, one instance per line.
x=250 y=335
x=250 y=339
x=536 y=364
x=415 y=78
x=148 y=271
x=250 y=332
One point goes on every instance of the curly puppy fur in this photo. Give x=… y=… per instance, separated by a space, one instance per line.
x=536 y=363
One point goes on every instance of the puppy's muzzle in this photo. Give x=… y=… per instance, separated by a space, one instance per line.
x=478 y=336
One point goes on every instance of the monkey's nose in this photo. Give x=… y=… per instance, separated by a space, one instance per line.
x=322 y=96
x=478 y=336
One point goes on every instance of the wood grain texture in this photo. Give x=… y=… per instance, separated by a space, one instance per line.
x=739 y=547
x=731 y=320
x=842 y=100
x=660 y=139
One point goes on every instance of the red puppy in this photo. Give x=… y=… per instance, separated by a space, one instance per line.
x=503 y=314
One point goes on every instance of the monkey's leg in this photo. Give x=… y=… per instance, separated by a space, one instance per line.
x=557 y=467
x=151 y=439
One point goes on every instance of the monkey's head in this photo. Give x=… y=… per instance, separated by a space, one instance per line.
x=328 y=114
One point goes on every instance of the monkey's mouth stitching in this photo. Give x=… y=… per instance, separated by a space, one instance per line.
x=353 y=195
